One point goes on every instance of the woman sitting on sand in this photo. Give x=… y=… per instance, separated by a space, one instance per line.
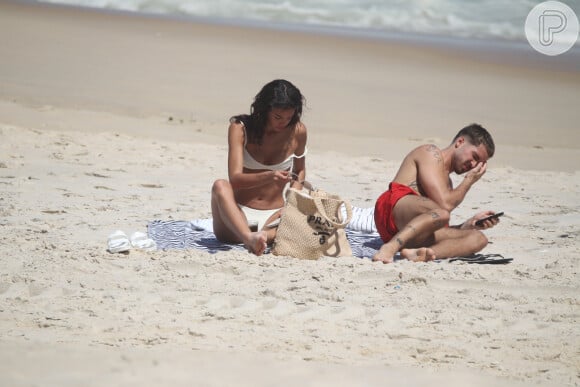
x=266 y=151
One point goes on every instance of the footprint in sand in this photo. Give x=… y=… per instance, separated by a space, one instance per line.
x=35 y=290
x=94 y=174
x=233 y=270
x=269 y=303
x=72 y=194
x=4 y=286
x=53 y=211
x=237 y=302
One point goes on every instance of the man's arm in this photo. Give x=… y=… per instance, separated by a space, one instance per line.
x=433 y=177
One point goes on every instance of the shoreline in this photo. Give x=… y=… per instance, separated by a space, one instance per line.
x=497 y=51
x=364 y=96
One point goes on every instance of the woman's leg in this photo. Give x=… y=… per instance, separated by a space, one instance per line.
x=230 y=223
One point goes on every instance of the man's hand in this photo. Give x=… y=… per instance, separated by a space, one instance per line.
x=477 y=172
x=469 y=224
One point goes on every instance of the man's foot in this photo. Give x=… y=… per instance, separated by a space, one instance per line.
x=257 y=242
x=385 y=254
x=423 y=254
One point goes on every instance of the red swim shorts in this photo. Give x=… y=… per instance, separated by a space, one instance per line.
x=384 y=207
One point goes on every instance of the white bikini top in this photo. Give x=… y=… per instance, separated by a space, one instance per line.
x=251 y=163
x=288 y=164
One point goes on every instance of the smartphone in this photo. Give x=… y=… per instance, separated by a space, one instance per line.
x=494 y=216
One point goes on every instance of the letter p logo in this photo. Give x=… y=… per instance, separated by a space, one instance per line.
x=551 y=22
x=552 y=28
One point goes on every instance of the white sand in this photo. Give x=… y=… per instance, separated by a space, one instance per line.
x=81 y=157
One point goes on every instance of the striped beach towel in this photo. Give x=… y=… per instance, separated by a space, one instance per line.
x=198 y=234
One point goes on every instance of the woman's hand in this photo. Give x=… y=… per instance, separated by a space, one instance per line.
x=281 y=177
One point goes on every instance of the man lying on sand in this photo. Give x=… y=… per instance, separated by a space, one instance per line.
x=412 y=216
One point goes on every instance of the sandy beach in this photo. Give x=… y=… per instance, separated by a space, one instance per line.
x=110 y=120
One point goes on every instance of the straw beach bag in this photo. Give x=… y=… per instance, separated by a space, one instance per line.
x=310 y=226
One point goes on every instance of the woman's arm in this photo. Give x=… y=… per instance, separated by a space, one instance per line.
x=299 y=169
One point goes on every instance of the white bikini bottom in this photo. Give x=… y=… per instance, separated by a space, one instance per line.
x=258 y=218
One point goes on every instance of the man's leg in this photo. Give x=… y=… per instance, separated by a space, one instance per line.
x=445 y=242
x=452 y=242
x=417 y=219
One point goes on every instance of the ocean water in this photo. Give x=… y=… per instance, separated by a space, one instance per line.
x=480 y=19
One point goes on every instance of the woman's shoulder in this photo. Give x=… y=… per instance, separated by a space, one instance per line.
x=237 y=131
x=300 y=129
x=300 y=137
x=241 y=119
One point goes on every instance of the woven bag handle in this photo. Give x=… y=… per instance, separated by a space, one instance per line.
x=318 y=203
x=321 y=209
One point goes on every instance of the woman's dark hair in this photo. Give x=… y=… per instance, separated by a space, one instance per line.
x=476 y=135
x=278 y=94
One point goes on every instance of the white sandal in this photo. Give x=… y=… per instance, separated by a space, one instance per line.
x=118 y=242
x=140 y=240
